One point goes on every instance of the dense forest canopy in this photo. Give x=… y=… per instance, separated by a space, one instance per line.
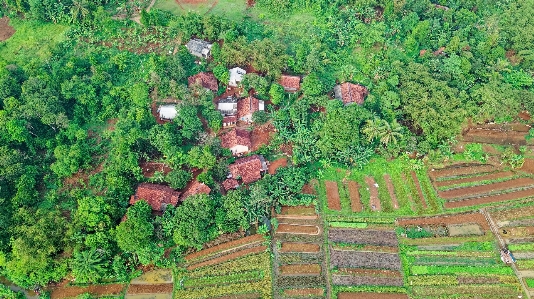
x=75 y=116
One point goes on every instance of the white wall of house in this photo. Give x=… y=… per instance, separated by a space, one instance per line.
x=236 y=76
x=239 y=149
x=167 y=111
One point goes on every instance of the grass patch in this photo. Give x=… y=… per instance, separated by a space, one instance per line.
x=530 y=282
x=231 y=9
x=348 y=224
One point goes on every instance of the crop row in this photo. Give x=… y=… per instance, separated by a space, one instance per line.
x=251 y=262
x=225 y=258
x=420 y=270
x=442 y=253
x=454 y=172
x=521 y=247
x=348 y=280
x=474 y=180
x=239 y=277
x=525 y=264
x=356 y=259
x=429 y=193
x=436 y=280
x=354 y=218
x=467 y=290
x=362 y=236
x=468 y=261
x=223 y=247
x=374 y=291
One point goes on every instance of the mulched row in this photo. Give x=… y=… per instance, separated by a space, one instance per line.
x=357 y=259
x=486 y=189
x=346 y=280
x=306 y=292
x=460 y=170
x=332 y=195
x=363 y=236
x=354 y=195
x=490 y=199
x=297 y=229
x=223 y=247
x=299 y=247
x=302 y=269
x=448 y=219
x=486 y=177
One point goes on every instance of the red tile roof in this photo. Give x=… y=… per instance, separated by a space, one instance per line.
x=247 y=106
x=353 y=93
x=228 y=120
x=196 y=188
x=207 y=80
x=248 y=169
x=290 y=83
x=236 y=137
x=230 y=184
x=155 y=195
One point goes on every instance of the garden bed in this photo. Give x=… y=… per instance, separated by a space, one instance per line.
x=306 y=292
x=448 y=219
x=363 y=236
x=332 y=195
x=346 y=280
x=460 y=170
x=164 y=288
x=298 y=210
x=374 y=201
x=160 y=276
x=302 y=269
x=229 y=257
x=223 y=247
x=490 y=199
x=368 y=272
x=354 y=194
x=391 y=190
x=419 y=190
x=484 y=177
x=486 y=189
x=96 y=290
x=370 y=260
x=285 y=228
x=300 y=247
x=345 y=295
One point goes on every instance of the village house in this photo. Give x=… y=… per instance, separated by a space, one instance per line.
x=237 y=140
x=157 y=196
x=227 y=106
x=236 y=76
x=229 y=121
x=290 y=83
x=167 y=112
x=350 y=93
x=206 y=80
x=248 y=169
x=230 y=184
x=247 y=106
x=196 y=188
x=199 y=48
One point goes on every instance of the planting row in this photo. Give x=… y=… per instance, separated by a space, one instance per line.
x=356 y=259
x=224 y=247
x=363 y=236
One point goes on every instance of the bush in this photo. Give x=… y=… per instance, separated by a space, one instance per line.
x=178 y=178
x=260 y=117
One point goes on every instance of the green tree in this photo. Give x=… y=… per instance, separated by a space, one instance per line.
x=194 y=220
x=88 y=266
x=312 y=85
x=178 y=178
x=136 y=233
x=277 y=93
x=222 y=74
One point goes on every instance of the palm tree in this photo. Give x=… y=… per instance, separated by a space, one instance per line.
x=389 y=132
x=88 y=266
x=372 y=128
x=79 y=10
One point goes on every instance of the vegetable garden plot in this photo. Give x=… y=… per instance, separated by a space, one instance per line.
x=460 y=170
x=99 y=290
x=419 y=190
x=354 y=194
x=346 y=295
x=332 y=195
x=467 y=229
x=225 y=258
x=298 y=210
x=356 y=259
x=484 y=177
x=301 y=281
x=346 y=280
x=223 y=247
x=487 y=189
x=448 y=219
x=238 y=277
x=391 y=190
x=467 y=290
x=302 y=269
x=154 y=277
x=367 y=272
x=374 y=202
x=285 y=228
x=466 y=261
x=306 y=292
x=165 y=288
x=299 y=247
x=514 y=213
x=490 y=199
x=363 y=236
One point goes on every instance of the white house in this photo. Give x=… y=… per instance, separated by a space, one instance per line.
x=227 y=106
x=236 y=76
x=199 y=48
x=167 y=112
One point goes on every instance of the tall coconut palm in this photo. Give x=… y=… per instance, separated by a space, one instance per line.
x=88 y=266
x=389 y=132
x=372 y=128
x=79 y=10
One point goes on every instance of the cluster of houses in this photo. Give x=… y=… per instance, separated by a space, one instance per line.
x=244 y=170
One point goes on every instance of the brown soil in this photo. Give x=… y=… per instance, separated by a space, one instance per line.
x=332 y=194
x=391 y=190
x=165 y=288
x=250 y=3
x=524 y=115
x=240 y=296
x=449 y=219
x=495 y=136
x=368 y=272
x=63 y=291
x=229 y=257
x=300 y=247
x=528 y=166
x=149 y=168
x=354 y=195
x=273 y=166
x=419 y=191
x=261 y=135
x=485 y=189
x=309 y=189
x=371 y=296
x=460 y=169
x=297 y=229
x=298 y=210
x=6 y=31
x=306 y=269
x=303 y=292
x=512 y=214
x=223 y=247
x=374 y=201
x=490 y=199
x=487 y=177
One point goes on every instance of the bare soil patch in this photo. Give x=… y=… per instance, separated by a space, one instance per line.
x=6 y=31
x=486 y=189
x=512 y=214
x=300 y=269
x=309 y=188
x=449 y=219
x=150 y=289
x=240 y=296
x=304 y=292
x=298 y=229
x=496 y=136
x=371 y=296
x=273 y=166
x=460 y=170
x=149 y=168
x=419 y=191
x=98 y=290
x=369 y=272
x=490 y=199
x=261 y=135
x=465 y=229
x=346 y=280
x=374 y=201
x=229 y=257
x=528 y=166
x=298 y=210
x=225 y=246
x=354 y=194
x=486 y=177
x=159 y=276
x=299 y=247
x=391 y=190
x=363 y=236
x=332 y=194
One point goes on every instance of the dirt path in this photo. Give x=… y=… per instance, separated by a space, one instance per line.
x=273 y=166
x=6 y=31
x=137 y=19
x=374 y=202
x=391 y=190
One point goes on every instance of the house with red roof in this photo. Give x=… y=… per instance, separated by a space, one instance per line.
x=350 y=93
x=196 y=188
x=248 y=169
x=157 y=196
x=230 y=183
x=236 y=140
x=206 y=80
x=290 y=83
x=247 y=106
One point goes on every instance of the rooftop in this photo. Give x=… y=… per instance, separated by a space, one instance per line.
x=157 y=196
x=249 y=169
x=196 y=188
x=351 y=93
x=236 y=137
x=206 y=80
x=290 y=83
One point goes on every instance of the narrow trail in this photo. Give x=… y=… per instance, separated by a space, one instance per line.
x=137 y=19
x=502 y=244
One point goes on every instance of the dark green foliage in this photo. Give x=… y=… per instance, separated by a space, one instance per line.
x=178 y=178
x=88 y=266
x=194 y=220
